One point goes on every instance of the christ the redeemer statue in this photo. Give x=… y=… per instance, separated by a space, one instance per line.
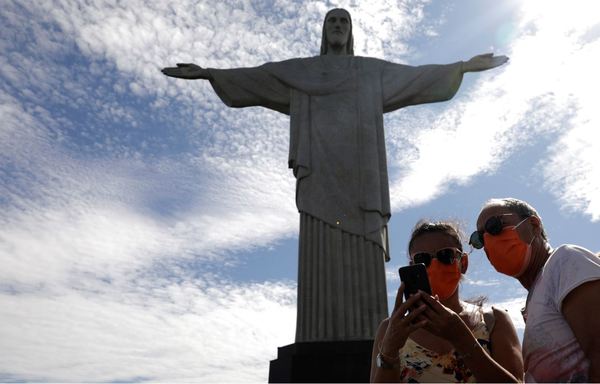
x=336 y=103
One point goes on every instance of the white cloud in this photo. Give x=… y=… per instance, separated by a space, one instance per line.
x=113 y=177
x=573 y=171
x=92 y=286
x=141 y=37
x=89 y=246
x=546 y=92
x=194 y=330
x=112 y=211
x=85 y=296
x=243 y=161
x=482 y=283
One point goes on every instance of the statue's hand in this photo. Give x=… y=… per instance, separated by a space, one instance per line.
x=187 y=71
x=484 y=62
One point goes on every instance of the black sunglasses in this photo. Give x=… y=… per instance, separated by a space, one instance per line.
x=444 y=255
x=493 y=226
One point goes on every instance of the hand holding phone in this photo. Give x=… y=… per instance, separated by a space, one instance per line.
x=415 y=278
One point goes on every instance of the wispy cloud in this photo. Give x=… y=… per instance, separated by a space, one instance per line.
x=545 y=93
x=98 y=227
x=94 y=286
x=482 y=283
x=150 y=329
x=114 y=179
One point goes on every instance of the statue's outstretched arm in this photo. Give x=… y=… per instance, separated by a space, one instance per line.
x=187 y=71
x=483 y=62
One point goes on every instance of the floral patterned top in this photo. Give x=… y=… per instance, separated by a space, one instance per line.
x=420 y=365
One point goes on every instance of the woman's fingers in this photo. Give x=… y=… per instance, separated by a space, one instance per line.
x=415 y=312
x=418 y=324
x=434 y=304
x=399 y=298
x=415 y=318
x=412 y=300
x=411 y=314
x=427 y=315
x=408 y=304
x=400 y=325
x=401 y=306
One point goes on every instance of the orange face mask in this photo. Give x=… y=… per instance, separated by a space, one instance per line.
x=507 y=252
x=443 y=278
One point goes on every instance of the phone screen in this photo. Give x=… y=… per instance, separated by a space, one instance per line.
x=415 y=278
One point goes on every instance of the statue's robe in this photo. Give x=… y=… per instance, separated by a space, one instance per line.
x=337 y=153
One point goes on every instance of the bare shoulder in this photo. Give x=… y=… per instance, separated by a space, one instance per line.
x=501 y=315
x=503 y=326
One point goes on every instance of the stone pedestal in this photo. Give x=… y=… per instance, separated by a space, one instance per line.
x=323 y=362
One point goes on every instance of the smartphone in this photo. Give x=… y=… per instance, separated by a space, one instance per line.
x=415 y=278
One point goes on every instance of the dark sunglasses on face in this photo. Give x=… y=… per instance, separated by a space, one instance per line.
x=493 y=226
x=444 y=255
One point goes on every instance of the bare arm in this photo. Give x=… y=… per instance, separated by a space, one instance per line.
x=581 y=309
x=379 y=375
x=483 y=62
x=506 y=347
x=445 y=323
x=391 y=336
x=187 y=71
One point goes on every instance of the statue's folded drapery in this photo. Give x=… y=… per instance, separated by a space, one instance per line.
x=337 y=153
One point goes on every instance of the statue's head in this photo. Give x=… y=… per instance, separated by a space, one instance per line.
x=337 y=31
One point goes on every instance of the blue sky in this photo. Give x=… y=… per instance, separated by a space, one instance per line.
x=148 y=232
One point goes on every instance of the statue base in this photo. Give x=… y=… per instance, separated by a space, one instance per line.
x=323 y=362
